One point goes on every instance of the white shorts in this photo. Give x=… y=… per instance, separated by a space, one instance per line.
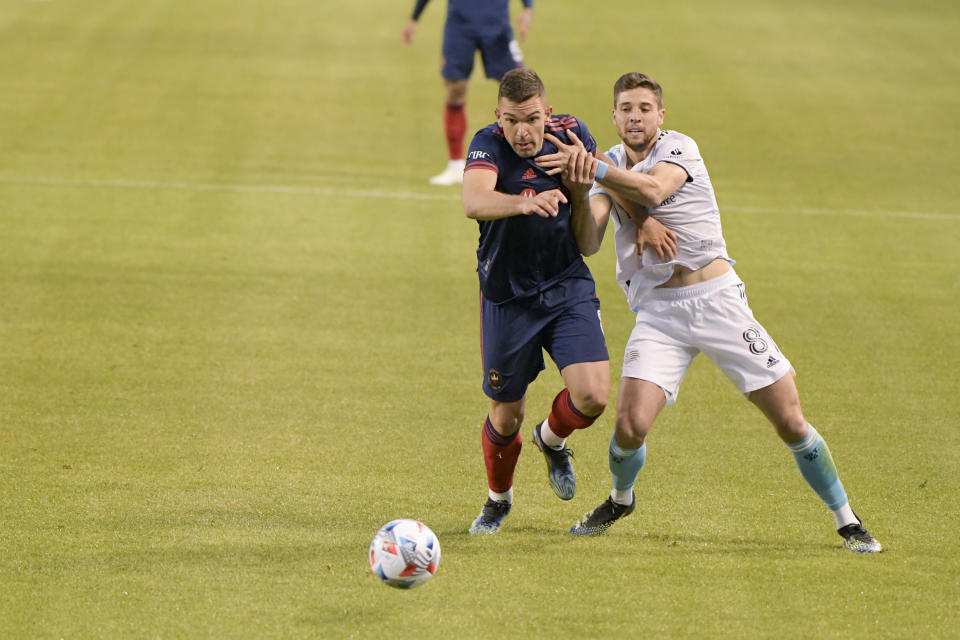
x=675 y=324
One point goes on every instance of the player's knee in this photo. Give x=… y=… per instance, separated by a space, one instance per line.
x=788 y=420
x=506 y=418
x=591 y=398
x=632 y=428
x=791 y=428
x=630 y=437
x=591 y=402
x=457 y=92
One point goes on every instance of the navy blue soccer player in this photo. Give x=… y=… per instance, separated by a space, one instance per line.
x=471 y=26
x=536 y=292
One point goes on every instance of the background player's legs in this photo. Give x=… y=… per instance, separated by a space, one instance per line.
x=780 y=403
x=455 y=128
x=458 y=50
x=455 y=117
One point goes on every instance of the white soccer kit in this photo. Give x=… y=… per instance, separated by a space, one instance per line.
x=674 y=324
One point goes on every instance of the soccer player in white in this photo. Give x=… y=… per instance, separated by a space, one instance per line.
x=688 y=300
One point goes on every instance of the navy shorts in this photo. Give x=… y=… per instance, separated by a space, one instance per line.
x=515 y=334
x=500 y=53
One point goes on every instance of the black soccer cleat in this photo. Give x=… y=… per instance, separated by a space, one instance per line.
x=600 y=519
x=856 y=538
x=559 y=472
x=491 y=517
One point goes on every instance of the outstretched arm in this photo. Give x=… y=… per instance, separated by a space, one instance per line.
x=649 y=189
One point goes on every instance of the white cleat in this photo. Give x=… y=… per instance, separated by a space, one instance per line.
x=452 y=175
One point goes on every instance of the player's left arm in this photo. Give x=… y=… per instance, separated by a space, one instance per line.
x=650 y=231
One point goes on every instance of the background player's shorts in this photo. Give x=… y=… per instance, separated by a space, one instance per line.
x=500 y=52
x=514 y=335
x=675 y=324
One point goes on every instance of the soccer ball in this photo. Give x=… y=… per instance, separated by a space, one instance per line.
x=404 y=553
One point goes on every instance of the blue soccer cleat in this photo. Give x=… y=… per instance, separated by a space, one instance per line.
x=559 y=472
x=491 y=517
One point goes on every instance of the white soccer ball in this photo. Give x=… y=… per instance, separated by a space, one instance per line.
x=404 y=553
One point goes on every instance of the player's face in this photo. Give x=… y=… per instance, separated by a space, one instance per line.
x=523 y=124
x=637 y=117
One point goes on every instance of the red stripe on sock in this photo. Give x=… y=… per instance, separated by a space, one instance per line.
x=455 y=126
x=500 y=454
x=564 y=418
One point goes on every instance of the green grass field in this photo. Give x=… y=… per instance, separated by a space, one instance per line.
x=239 y=332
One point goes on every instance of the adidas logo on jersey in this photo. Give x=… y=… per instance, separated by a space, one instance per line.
x=529 y=174
x=771 y=361
x=676 y=152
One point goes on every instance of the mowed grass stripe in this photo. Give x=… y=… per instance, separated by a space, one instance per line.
x=109 y=183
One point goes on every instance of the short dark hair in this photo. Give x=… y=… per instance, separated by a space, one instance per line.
x=519 y=85
x=633 y=80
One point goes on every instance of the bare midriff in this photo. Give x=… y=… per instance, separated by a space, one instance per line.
x=684 y=277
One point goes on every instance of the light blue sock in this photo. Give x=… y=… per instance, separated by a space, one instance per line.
x=816 y=464
x=625 y=464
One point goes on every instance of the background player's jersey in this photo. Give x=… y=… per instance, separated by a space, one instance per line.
x=487 y=17
x=691 y=212
x=521 y=255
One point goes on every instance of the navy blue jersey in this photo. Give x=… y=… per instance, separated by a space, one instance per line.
x=521 y=256
x=488 y=17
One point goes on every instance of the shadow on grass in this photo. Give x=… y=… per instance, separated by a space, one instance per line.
x=684 y=541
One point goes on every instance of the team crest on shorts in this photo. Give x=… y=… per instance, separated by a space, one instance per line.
x=495 y=381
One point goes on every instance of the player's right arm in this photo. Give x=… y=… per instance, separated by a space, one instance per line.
x=588 y=215
x=481 y=200
x=649 y=189
x=590 y=237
